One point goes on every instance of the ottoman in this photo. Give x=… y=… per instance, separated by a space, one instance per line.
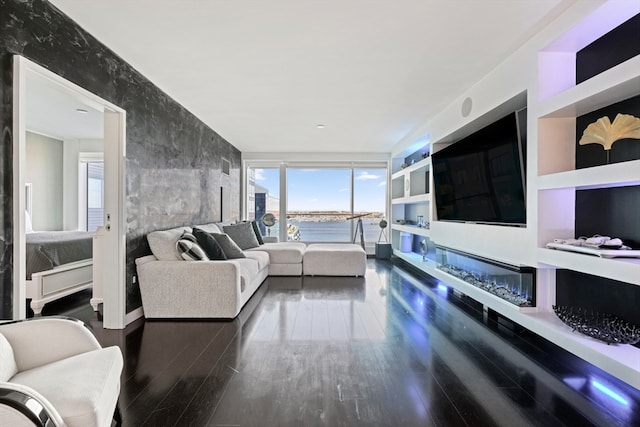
x=339 y=259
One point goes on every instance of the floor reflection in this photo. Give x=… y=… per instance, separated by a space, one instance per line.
x=388 y=349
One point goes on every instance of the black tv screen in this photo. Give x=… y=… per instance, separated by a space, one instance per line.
x=481 y=178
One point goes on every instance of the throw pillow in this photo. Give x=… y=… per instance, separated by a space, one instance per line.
x=242 y=234
x=189 y=249
x=209 y=244
x=163 y=243
x=229 y=247
x=256 y=230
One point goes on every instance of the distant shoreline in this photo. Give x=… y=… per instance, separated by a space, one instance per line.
x=333 y=216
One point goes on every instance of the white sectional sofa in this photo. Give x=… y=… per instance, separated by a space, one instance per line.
x=174 y=288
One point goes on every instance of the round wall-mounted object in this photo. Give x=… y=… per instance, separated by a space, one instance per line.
x=467 y=104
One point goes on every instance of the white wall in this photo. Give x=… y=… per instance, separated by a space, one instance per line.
x=44 y=171
x=71 y=155
x=515 y=75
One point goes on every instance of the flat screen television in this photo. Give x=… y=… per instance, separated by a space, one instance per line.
x=481 y=178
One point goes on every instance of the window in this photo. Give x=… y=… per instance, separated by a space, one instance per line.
x=369 y=197
x=91 y=194
x=95 y=195
x=319 y=204
x=263 y=196
x=323 y=203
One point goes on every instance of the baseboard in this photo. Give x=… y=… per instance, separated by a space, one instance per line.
x=133 y=316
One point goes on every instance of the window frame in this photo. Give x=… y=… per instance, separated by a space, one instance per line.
x=283 y=165
x=83 y=159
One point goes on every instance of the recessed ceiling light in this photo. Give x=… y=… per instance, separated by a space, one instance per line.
x=81 y=111
x=320 y=126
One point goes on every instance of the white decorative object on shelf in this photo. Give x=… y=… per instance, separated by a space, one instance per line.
x=605 y=133
x=593 y=250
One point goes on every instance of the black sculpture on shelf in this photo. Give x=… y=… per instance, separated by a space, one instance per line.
x=602 y=326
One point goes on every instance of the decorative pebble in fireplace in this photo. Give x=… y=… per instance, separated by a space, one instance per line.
x=602 y=326
x=514 y=284
x=501 y=290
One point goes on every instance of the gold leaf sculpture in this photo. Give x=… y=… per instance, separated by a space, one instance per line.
x=605 y=133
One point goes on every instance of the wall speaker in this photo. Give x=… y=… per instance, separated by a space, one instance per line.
x=467 y=104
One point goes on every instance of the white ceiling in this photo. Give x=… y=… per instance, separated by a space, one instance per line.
x=264 y=74
x=53 y=111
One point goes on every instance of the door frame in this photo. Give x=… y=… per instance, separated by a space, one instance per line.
x=114 y=153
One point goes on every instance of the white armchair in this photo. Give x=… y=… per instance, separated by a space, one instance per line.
x=53 y=372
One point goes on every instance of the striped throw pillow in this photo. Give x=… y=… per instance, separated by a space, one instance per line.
x=189 y=249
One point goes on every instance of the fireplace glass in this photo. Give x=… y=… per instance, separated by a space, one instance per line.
x=511 y=283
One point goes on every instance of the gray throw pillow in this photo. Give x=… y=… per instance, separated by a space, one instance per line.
x=242 y=234
x=209 y=244
x=229 y=247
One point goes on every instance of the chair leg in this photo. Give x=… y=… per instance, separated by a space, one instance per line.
x=117 y=415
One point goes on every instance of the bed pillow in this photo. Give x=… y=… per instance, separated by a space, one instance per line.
x=229 y=247
x=242 y=234
x=209 y=244
x=189 y=249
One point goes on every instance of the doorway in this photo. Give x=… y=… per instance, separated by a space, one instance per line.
x=111 y=127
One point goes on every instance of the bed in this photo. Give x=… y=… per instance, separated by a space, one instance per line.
x=59 y=263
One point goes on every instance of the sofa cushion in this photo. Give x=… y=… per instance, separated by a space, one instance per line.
x=283 y=252
x=242 y=234
x=163 y=243
x=76 y=386
x=8 y=367
x=229 y=247
x=189 y=249
x=261 y=257
x=209 y=244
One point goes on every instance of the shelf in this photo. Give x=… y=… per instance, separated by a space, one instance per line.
x=613 y=175
x=420 y=198
x=422 y=163
x=494 y=302
x=511 y=353
x=621 y=269
x=614 y=85
x=416 y=260
x=622 y=361
x=411 y=229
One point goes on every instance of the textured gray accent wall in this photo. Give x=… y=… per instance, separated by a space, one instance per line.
x=173 y=166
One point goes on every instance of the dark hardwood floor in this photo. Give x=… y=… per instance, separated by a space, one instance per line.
x=390 y=349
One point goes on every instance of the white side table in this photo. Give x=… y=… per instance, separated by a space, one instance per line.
x=270 y=239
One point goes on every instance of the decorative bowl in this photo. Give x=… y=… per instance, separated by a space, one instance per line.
x=602 y=326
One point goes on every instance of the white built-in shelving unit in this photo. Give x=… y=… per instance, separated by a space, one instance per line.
x=410 y=197
x=554 y=102
x=558 y=181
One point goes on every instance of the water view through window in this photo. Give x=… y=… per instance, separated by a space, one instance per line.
x=323 y=204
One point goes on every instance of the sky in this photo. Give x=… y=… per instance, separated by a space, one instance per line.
x=328 y=189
